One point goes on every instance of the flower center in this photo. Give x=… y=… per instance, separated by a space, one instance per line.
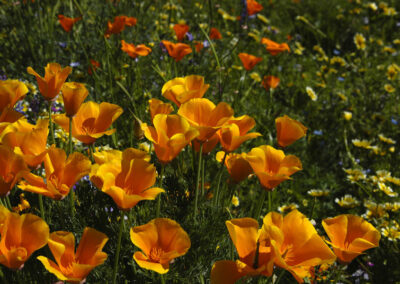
x=155 y=254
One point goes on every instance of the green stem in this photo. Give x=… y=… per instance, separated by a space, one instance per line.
x=219 y=180
x=196 y=199
x=312 y=208
x=121 y=226
x=41 y=206
x=70 y=137
x=159 y=196
x=203 y=165
x=257 y=212
x=53 y=141
x=269 y=201
x=162 y=278
x=8 y=202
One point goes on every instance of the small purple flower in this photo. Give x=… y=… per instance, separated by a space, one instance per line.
x=62 y=44
x=74 y=64
x=189 y=36
x=317 y=132
x=163 y=48
x=336 y=52
x=341 y=79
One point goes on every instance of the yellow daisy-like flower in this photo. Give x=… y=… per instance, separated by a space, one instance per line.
x=386 y=139
x=310 y=92
x=318 y=192
x=387 y=189
x=359 y=41
x=255 y=76
x=235 y=201
x=347 y=201
x=347 y=115
x=389 y=88
x=361 y=143
x=288 y=207
x=355 y=175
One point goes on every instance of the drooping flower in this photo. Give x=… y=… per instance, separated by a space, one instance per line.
x=170 y=134
x=248 y=60
x=73 y=94
x=273 y=47
x=203 y=115
x=237 y=165
x=270 y=82
x=61 y=174
x=177 y=50
x=350 y=235
x=54 y=77
x=271 y=166
x=182 y=89
x=289 y=130
x=180 y=31
x=11 y=91
x=67 y=23
x=70 y=266
x=128 y=182
x=21 y=235
x=253 y=7
x=161 y=241
x=12 y=170
x=135 y=51
x=159 y=107
x=119 y=25
x=91 y=121
x=215 y=34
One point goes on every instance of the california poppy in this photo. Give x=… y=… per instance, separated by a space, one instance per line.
x=115 y=156
x=170 y=134
x=11 y=91
x=273 y=47
x=135 y=51
x=161 y=241
x=159 y=107
x=207 y=146
x=67 y=23
x=119 y=25
x=253 y=7
x=7 y=117
x=237 y=165
x=70 y=266
x=271 y=166
x=12 y=170
x=180 y=31
x=289 y=130
x=128 y=182
x=177 y=50
x=21 y=235
x=91 y=121
x=93 y=66
x=350 y=235
x=54 y=77
x=270 y=82
x=61 y=174
x=215 y=34
x=248 y=60
x=199 y=46
x=182 y=89
x=73 y=94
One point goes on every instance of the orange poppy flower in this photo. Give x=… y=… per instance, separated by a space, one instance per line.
x=161 y=241
x=237 y=165
x=7 y=117
x=119 y=25
x=234 y=132
x=159 y=107
x=27 y=140
x=170 y=134
x=11 y=91
x=135 y=51
x=54 y=77
x=61 y=174
x=208 y=145
x=253 y=7
x=12 y=170
x=93 y=66
x=91 y=121
x=177 y=50
x=273 y=47
x=182 y=89
x=115 y=156
x=21 y=235
x=295 y=243
x=198 y=45
x=180 y=31
x=350 y=235
x=289 y=130
x=248 y=60
x=215 y=34
x=270 y=82
x=271 y=166
x=73 y=94
x=255 y=258
x=67 y=23
x=127 y=183
x=70 y=266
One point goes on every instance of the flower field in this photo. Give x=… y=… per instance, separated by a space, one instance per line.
x=199 y=141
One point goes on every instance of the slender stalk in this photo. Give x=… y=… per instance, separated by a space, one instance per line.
x=219 y=179
x=257 y=212
x=121 y=226
x=159 y=196
x=203 y=165
x=269 y=201
x=8 y=202
x=70 y=137
x=196 y=199
x=312 y=207
x=52 y=140
x=41 y=206
x=280 y=276
x=1 y=202
x=162 y=278
x=4 y=203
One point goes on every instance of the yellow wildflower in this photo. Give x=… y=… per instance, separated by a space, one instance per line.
x=360 y=41
x=347 y=201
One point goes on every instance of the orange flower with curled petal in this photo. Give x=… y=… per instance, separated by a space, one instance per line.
x=253 y=7
x=161 y=241
x=91 y=121
x=54 y=77
x=207 y=118
x=236 y=164
x=135 y=51
x=61 y=174
x=350 y=235
x=295 y=243
x=273 y=47
x=127 y=183
x=215 y=34
x=67 y=23
x=159 y=107
x=182 y=89
x=12 y=169
x=180 y=31
x=170 y=134
x=289 y=130
x=270 y=82
x=21 y=235
x=11 y=91
x=271 y=166
x=248 y=60
x=119 y=25
x=177 y=50
x=7 y=117
x=254 y=257
x=234 y=132
x=70 y=266
x=30 y=141
x=73 y=94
